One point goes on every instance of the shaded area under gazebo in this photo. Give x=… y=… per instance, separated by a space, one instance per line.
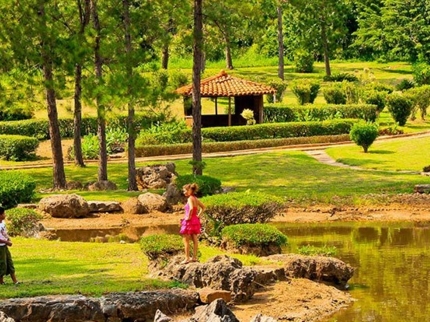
x=246 y=94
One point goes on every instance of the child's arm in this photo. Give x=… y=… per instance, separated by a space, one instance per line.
x=7 y=242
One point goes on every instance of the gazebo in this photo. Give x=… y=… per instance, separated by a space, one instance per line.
x=246 y=94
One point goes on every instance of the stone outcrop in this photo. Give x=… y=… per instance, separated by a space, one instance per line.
x=133 y=206
x=115 y=307
x=317 y=268
x=156 y=176
x=173 y=194
x=153 y=201
x=5 y=318
x=104 y=206
x=65 y=206
x=102 y=185
x=217 y=311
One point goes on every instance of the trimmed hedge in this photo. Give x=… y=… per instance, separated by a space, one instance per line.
x=207 y=185
x=254 y=235
x=298 y=113
x=39 y=128
x=15 y=113
x=15 y=188
x=155 y=246
x=213 y=147
x=17 y=147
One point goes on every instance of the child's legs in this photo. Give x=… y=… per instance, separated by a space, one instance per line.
x=186 y=239
x=10 y=266
x=195 y=245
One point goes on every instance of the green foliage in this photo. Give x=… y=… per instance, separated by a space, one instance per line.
x=400 y=107
x=334 y=94
x=23 y=222
x=15 y=188
x=280 y=87
x=421 y=73
x=207 y=185
x=380 y=87
x=310 y=250
x=420 y=97
x=405 y=84
x=303 y=61
x=376 y=98
x=165 y=133
x=340 y=77
x=154 y=246
x=364 y=134
x=90 y=148
x=18 y=147
x=253 y=234
x=15 y=114
x=305 y=90
x=352 y=92
x=116 y=140
x=298 y=113
x=178 y=79
x=248 y=115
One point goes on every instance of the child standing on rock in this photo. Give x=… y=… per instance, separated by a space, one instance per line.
x=190 y=226
x=6 y=262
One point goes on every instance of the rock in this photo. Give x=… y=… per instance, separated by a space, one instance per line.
x=173 y=195
x=156 y=176
x=28 y=206
x=64 y=206
x=317 y=268
x=152 y=201
x=100 y=186
x=262 y=318
x=161 y=317
x=208 y=295
x=422 y=188
x=219 y=273
x=74 y=185
x=5 y=318
x=132 y=306
x=104 y=206
x=217 y=311
x=257 y=250
x=133 y=206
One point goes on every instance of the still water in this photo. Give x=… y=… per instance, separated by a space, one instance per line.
x=391 y=281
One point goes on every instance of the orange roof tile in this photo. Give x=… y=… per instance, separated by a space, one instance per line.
x=224 y=85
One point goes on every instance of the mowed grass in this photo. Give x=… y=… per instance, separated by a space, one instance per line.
x=405 y=154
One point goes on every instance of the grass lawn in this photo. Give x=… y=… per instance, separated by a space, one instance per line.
x=92 y=269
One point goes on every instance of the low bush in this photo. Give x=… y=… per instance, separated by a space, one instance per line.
x=305 y=90
x=340 y=77
x=15 y=114
x=15 y=188
x=207 y=185
x=253 y=235
x=400 y=107
x=165 y=133
x=155 y=246
x=421 y=73
x=18 y=147
x=303 y=61
x=376 y=98
x=405 y=84
x=420 y=97
x=23 y=222
x=212 y=147
x=334 y=94
x=280 y=87
x=364 y=134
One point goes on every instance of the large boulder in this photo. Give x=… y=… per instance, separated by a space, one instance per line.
x=153 y=201
x=65 y=206
x=317 y=268
x=173 y=194
x=133 y=206
x=103 y=185
x=104 y=206
x=217 y=311
x=156 y=176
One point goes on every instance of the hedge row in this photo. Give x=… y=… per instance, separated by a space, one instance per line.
x=39 y=128
x=17 y=147
x=212 y=147
x=15 y=188
x=298 y=113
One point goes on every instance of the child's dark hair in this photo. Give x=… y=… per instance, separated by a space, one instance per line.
x=194 y=187
x=1 y=210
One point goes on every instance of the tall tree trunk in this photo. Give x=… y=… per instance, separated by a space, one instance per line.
x=196 y=95
x=59 y=176
x=228 y=58
x=165 y=56
x=132 y=184
x=281 y=72
x=77 y=118
x=84 y=17
x=325 y=49
x=101 y=127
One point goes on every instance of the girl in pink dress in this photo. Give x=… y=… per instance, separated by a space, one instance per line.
x=190 y=225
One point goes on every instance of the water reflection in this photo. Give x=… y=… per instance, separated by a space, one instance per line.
x=392 y=277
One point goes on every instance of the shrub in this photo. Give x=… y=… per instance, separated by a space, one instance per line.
x=340 y=77
x=15 y=114
x=254 y=235
x=155 y=246
x=364 y=134
x=23 y=222
x=334 y=94
x=305 y=90
x=280 y=87
x=420 y=97
x=421 y=73
x=116 y=140
x=248 y=115
x=351 y=91
x=165 y=133
x=405 y=84
x=303 y=61
x=207 y=185
x=375 y=98
x=18 y=147
x=400 y=107
x=380 y=87
x=15 y=188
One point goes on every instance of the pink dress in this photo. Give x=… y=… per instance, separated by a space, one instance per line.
x=192 y=226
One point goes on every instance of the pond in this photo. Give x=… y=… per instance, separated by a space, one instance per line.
x=392 y=261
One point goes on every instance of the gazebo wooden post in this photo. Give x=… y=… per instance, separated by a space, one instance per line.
x=229 y=111
x=216 y=105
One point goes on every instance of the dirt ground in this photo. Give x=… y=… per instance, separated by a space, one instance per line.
x=298 y=299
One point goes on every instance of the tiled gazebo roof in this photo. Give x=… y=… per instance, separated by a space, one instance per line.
x=224 y=85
